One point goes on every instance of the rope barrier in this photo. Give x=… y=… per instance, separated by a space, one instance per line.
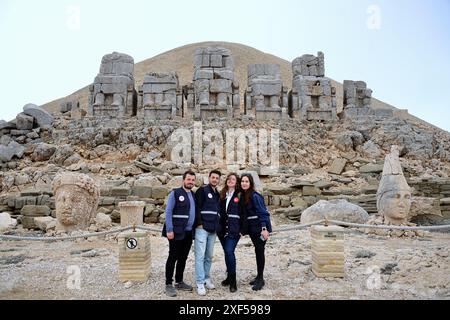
x=151 y=229
x=54 y=239
x=369 y=226
x=325 y=222
x=299 y=227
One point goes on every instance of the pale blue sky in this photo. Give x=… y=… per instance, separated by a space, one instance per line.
x=405 y=61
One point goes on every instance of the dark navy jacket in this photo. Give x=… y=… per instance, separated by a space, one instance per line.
x=180 y=214
x=207 y=208
x=256 y=214
x=231 y=220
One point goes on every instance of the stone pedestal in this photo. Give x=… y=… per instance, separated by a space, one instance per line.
x=134 y=256
x=131 y=213
x=328 y=257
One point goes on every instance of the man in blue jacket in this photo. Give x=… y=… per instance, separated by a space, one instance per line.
x=179 y=226
x=207 y=204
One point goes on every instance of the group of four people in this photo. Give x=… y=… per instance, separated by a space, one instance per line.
x=229 y=214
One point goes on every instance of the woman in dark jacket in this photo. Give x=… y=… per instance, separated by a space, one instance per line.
x=231 y=226
x=259 y=226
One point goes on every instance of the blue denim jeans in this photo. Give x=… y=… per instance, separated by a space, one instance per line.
x=229 y=246
x=204 y=250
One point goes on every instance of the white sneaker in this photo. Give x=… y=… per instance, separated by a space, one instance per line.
x=209 y=284
x=201 y=290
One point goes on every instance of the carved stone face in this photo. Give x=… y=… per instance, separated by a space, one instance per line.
x=75 y=208
x=394 y=206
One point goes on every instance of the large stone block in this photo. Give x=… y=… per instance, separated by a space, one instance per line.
x=45 y=223
x=159 y=193
x=6 y=222
x=120 y=192
x=170 y=77
x=340 y=210
x=65 y=106
x=309 y=65
x=221 y=86
x=35 y=211
x=12 y=149
x=311 y=191
x=216 y=61
x=42 y=117
x=202 y=74
x=224 y=74
x=114 y=88
x=338 y=166
x=43 y=152
x=103 y=221
x=266 y=89
x=229 y=62
x=142 y=191
x=107 y=201
x=131 y=213
x=371 y=168
x=24 y=122
x=280 y=190
x=7 y=125
x=28 y=223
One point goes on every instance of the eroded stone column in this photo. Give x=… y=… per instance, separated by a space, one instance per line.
x=131 y=213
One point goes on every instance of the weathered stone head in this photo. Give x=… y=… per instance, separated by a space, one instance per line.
x=394 y=194
x=76 y=199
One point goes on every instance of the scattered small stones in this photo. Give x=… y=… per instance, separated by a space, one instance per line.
x=364 y=254
x=389 y=268
x=90 y=254
x=12 y=259
x=76 y=252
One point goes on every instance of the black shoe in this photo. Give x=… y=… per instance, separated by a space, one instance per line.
x=259 y=284
x=226 y=282
x=170 y=291
x=253 y=281
x=233 y=282
x=183 y=287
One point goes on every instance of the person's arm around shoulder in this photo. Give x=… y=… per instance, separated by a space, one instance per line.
x=169 y=213
x=263 y=214
x=243 y=214
x=199 y=201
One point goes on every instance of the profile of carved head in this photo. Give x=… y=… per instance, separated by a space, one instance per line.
x=394 y=193
x=76 y=200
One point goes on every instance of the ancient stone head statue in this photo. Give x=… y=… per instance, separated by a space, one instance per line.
x=394 y=194
x=76 y=199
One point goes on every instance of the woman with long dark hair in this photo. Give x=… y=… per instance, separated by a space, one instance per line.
x=231 y=222
x=258 y=226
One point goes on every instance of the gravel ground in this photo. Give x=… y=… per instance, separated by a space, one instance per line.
x=376 y=268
